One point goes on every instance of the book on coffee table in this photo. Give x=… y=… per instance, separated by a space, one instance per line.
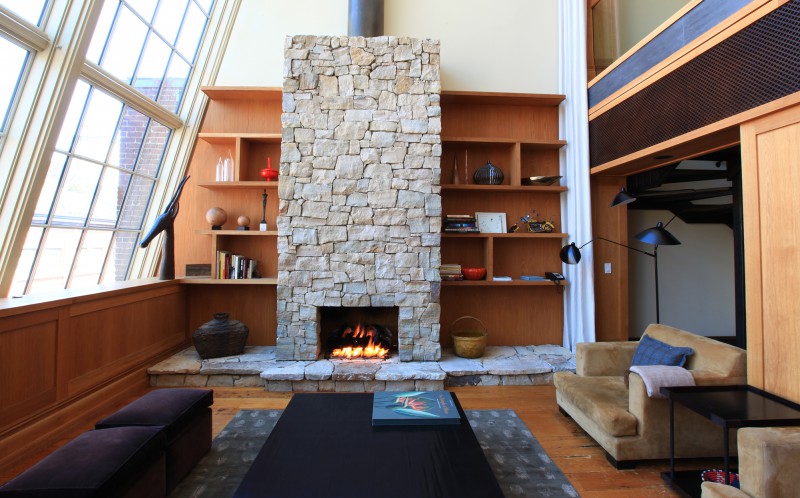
x=414 y=408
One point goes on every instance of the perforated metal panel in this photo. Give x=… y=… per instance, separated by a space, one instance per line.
x=757 y=65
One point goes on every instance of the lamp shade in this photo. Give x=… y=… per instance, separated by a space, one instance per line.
x=570 y=254
x=622 y=198
x=657 y=236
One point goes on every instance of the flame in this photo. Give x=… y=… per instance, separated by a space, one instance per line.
x=371 y=350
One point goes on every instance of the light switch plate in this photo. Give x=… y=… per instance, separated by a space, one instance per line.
x=607 y=268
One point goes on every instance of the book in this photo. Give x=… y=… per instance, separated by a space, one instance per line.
x=414 y=408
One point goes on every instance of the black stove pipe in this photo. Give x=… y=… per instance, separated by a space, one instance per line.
x=365 y=18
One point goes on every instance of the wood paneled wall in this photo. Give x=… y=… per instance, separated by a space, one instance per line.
x=65 y=360
x=770 y=178
x=610 y=290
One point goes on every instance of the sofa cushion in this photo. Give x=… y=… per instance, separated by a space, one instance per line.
x=602 y=399
x=654 y=352
x=174 y=409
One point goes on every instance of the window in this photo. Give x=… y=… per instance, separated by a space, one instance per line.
x=109 y=152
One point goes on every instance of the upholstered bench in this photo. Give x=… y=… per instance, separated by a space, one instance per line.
x=121 y=462
x=186 y=417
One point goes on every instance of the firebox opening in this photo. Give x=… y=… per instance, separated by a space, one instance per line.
x=358 y=332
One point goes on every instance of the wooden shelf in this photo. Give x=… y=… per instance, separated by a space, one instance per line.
x=516 y=235
x=496 y=98
x=230 y=138
x=229 y=281
x=493 y=283
x=244 y=233
x=246 y=184
x=503 y=188
x=539 y=144
x=243 y=93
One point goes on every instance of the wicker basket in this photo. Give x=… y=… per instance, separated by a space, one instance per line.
x=220 y=337
x=718 y=476
x=469 y=343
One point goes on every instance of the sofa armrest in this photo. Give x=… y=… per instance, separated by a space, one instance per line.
x=604 y=358
x=709 y=378
x=715 y=490
x=769 y=460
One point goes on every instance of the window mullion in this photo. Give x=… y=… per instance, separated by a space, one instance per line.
x=21 y=32
x=97 y=76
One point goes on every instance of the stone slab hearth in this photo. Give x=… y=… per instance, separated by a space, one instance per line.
x=259 y=367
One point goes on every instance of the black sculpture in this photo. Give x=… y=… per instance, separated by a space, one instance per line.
x=165 y=223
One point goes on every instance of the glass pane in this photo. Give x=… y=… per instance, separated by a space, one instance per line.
x=136 y=203
x=152 y=67
x=98 y=126
x=47 y=196
x=25 y=263
x=30 y=10
x=109 y=198
x=128 y=141
x=55 y=259
x=191 y=32
x=101 y=31
x=74 y=112
x=174 y=83
x=153 y=149
x=119 y=257
x=79 y=187
x=144 y=8
x=124 y=45
x=91 y=256
x=12 y=60
x=169 y=17
x=205 y=5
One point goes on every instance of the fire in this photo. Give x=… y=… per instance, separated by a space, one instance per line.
x=358 y=335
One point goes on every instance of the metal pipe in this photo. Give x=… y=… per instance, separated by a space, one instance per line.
x=365 y=18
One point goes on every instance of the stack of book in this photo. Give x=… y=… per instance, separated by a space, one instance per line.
x=450 y=272
x=460 y=223
x=235 y=266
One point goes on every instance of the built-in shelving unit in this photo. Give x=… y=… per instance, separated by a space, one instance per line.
x=519 y=134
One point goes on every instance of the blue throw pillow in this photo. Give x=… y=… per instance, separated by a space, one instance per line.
x=654 y=352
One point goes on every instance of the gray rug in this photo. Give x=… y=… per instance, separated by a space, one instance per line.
x=521 y=466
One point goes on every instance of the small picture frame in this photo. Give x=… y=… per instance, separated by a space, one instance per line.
x=491 y=222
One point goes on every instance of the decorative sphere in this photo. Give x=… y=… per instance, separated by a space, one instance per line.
x=243 y=221
x=216 y=216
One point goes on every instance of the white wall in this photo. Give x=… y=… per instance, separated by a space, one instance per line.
x=637 y=18
x=696 y=279
x=508 y=46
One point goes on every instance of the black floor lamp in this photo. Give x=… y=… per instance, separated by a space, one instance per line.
x=655 y=236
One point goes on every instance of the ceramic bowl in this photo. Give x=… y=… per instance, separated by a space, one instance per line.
x=473 y=273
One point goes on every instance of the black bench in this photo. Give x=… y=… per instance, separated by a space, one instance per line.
x=125 y=462
x=185 y=415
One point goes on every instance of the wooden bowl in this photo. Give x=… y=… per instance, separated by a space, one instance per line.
x=473 y=273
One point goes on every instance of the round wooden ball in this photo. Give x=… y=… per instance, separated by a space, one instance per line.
x=216 y=216
x=243 y=221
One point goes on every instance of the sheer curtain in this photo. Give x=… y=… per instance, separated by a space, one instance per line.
x=576 y=214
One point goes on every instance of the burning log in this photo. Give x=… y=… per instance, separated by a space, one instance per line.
x=361 y=341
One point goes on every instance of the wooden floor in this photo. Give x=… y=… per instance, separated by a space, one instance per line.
x=575 y=453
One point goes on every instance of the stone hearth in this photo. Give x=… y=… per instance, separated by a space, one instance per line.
x=360 y=205
x=259 y=367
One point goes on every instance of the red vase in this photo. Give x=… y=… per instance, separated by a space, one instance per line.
x=268 y=173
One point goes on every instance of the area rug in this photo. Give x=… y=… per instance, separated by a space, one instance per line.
x=521 y=466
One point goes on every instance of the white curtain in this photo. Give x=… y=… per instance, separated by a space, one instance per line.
x=576 y=209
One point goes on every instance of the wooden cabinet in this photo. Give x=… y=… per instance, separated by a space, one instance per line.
x=519 y=134
x=244 y=124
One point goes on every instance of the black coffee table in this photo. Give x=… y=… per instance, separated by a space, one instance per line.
x=325 y=445
x=730 y=407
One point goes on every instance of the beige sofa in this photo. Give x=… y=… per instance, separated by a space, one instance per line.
x=628 y=424
x=769 y=465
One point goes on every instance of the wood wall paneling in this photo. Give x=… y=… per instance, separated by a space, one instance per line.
x=610 y=290
x=772 y=251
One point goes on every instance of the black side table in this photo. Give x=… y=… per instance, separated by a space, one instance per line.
x=730 y=407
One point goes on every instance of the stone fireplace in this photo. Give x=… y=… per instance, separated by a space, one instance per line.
x=360 y=207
